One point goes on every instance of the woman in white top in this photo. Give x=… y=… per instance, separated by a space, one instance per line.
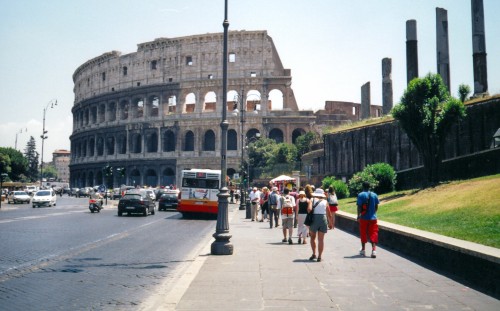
x=321 y=222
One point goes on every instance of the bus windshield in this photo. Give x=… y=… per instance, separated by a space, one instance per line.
x=200 y=183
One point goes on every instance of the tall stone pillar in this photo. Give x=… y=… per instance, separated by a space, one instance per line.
x=442 y=46
x=479 y=48
x=411 y=50
x=386 y=85
x=365 y=101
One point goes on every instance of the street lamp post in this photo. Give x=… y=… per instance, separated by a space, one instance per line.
x=242 y=165
x=51 y=103
x=247 y=142
x=221 y=245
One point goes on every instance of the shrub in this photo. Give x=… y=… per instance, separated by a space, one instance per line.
x=380 y=176
x=356 y=182
x=340 y=187
x=385 y=175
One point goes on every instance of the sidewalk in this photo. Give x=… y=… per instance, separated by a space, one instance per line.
x=265 y=274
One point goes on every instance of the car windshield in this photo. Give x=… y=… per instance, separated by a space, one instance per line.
x=20 y=193
x=132 y=196
x=169 y=195
x=43 y=193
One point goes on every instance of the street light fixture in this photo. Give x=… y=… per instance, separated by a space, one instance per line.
x=221 y=245
x=51 y=103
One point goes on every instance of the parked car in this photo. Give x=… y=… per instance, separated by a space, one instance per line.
x=136 y=201
x=168 y=200
x=73 y=192
x=44 y=197
x=116 y=194
x=83 y=192
x=151 y=194
x=18 y=197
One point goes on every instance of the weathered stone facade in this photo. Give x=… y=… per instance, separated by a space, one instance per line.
x=349 y=151
x=157 y=111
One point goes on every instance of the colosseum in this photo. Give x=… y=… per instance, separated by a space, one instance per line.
x=157 y=111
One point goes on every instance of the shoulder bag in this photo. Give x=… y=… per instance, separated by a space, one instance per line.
x=309 y=217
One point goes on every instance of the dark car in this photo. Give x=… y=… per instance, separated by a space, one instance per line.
x=83 y=192
x=73 y=192
x=136 y=202
x=168 y=200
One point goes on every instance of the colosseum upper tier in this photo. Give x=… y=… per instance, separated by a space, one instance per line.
x=157 y=111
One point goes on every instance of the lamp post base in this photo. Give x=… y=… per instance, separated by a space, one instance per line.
x=248 y=210
x=221 y=245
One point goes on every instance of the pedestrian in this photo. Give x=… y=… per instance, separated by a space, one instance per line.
x=265 y=204
x=367 y=217
x=273 y=207
x=302 y=204
x=333 y=203
x=295 y=194
x=321 y=222
x=255 y=203
x=287 y=206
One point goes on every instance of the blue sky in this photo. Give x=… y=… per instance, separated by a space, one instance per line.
x=332 y=47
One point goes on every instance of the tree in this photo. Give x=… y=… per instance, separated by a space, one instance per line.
x=304 y=143
x=18 y=163
x=426 y=113
x=32 y=157
x=49 y=172
x=463 y=92
x=5 y=163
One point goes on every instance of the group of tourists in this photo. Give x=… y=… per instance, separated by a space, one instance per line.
x=312 y=211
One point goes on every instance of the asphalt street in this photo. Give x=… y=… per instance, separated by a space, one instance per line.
x=65 y=258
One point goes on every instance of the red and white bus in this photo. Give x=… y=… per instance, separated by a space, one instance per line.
x=199 y=190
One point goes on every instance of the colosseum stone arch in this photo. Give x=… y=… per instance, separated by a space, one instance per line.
x=158 y=110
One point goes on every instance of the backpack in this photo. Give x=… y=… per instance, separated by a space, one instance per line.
x=287 y=206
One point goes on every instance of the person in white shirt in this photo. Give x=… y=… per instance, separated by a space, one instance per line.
x=255 y=202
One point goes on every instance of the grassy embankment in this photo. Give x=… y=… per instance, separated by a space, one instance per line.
x=467 y=210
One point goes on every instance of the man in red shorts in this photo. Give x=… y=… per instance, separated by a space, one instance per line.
x=367 y=217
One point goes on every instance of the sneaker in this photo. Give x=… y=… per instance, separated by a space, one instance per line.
x=362 y=252
x=290 y=241
x=312 y=257
x=284 y=240
x=374 y=254
x=319 y=259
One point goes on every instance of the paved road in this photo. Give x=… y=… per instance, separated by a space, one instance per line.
x=66 y=258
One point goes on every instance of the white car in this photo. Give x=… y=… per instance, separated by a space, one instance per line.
x=151 y=194
x=18 y=197
x=44 y=197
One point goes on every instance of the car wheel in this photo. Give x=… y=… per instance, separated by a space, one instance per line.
x=119 y=213
x=92 y=211
x=145 y=213
x=153 y=211
x=34 y=206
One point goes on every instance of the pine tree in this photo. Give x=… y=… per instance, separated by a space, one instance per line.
x=32 y=156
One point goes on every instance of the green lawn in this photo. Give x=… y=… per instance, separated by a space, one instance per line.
x=467 y=210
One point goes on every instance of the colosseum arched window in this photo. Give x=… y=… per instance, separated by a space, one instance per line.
x=152 y=142
x=138 y=108
x=275 y=100
x=168 y=177
x=189 y=141
x=86 y=116
x=100 y=146
x=110 y=145
x=210 y=101
x=102 y=113
x=135 y=177
x=155 y=106
x=172 y=103
x=209 y=141
x=91 y=146
x=277 y=135
x=151 y=178
x=125 y=70
x=136 y=143
x=122 y=144
x=99 y=180
x=93 y=115
x=168 y=141
x=83 y=152
x=124 y=107
x=112 y=111
x=190 y=102
x=296 y=133
x=90 y=179
x=232 y=140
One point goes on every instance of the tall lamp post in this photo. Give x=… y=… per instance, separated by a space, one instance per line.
x=221 y=245
x=247 y=142
x=51 y=103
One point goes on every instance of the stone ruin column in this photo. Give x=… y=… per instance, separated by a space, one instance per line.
x=479 y=48
x=411 y=50
x=386 y=85
x=442 y=46
x=365 y=101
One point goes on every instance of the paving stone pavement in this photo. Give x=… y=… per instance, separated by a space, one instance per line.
x=265 y=274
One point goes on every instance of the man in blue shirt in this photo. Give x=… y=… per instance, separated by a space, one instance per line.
x=367 y=217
